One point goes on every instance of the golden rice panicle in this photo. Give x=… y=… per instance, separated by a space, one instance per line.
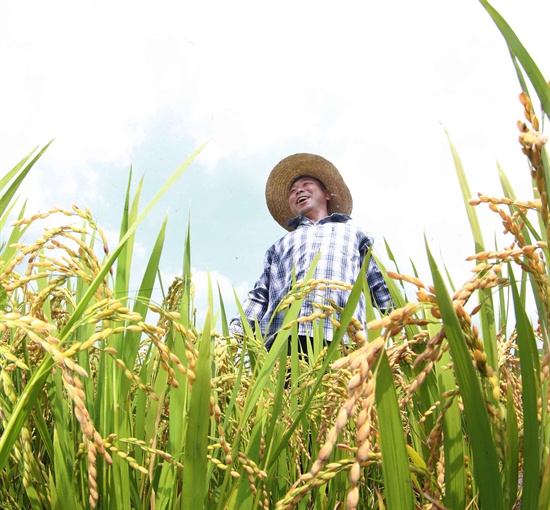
x=133 y=377
x=34 y=471
x=298 y=492
x=432 y=350
x=37 y=333
x=223 y=356
x=173 y=297
x=364 y=427
x=513 y=223
x=395 y=321
x=544 y=376
x=265 y=503
x=77 y=259
x=510 y=373
x=150 y=451
x=217 y=413
x=359 y=363
x=433 y=443
x=156 y=334
x=477 y=348
x=429 y=365
x=462 y=296
x=301 y=449
x=430 y=411
x=252 y=471
x=335 y=384
x=545 y=367
x=302 y=288
x=525 y=255
x=530 y=138
x=127 y=458
x=394 y=324
x=75 y=390
x=26 y=442
x=406 y=278
x=355 y=332
x=403 y=351
x=93 y=495
x=7 y=382
x=532 y=141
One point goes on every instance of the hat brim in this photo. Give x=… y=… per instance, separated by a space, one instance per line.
x=287 y=170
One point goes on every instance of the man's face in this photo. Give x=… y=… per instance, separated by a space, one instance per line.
x=308 y=198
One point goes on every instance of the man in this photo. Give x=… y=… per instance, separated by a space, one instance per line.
x=307 y=196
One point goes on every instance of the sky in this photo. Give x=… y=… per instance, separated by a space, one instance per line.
x=373 y=86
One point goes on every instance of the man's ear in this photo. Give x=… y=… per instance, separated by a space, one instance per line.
x=328 y=195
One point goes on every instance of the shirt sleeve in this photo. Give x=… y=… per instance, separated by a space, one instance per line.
x=378 y=289
x=256 y=304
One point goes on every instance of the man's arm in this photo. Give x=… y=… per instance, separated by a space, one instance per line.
x=254 y=307
x=378 y=288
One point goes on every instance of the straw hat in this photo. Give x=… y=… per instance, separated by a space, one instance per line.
x=287 y=170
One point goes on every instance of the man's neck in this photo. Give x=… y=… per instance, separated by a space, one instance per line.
x=315 y=217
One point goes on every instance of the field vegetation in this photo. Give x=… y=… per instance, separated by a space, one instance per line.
x=109 y=401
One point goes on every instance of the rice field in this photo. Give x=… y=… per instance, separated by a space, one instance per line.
x=110 y=401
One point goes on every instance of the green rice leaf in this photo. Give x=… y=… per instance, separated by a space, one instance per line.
x=278 y=401
x=223 y=316
x=467 y=195
x=195 y=482
x=7 y=252
x=185 y=305
x=395 y=460
x=34 y=498
x=28 y=399
x=132 y=338
x=540 y=84
x=179 y=399
x=530 y=378
x=124 y=262
x=245 y=497
x=454 y=448
x=487 y=315
x=485 y=459
x=544 y=499
x=15 y=229
x=512 y=452
x=517 y=49
x=5 y=178
x=42 y=427
x=131 y=342
x=17 y=173
x=63 y=446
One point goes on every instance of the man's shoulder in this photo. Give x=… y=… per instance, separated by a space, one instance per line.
x=354 y=229
x=281 y=242
x=353 y=226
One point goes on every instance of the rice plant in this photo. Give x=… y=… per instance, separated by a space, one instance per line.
x=111 y=401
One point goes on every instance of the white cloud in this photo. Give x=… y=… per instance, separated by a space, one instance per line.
x=332 y=71
x=370 y=85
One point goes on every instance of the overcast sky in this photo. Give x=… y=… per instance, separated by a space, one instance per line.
x=370 y=85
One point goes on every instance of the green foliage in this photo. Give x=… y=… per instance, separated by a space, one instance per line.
x=109 y=401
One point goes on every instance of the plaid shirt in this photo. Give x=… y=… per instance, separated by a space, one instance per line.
x=342 y=247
